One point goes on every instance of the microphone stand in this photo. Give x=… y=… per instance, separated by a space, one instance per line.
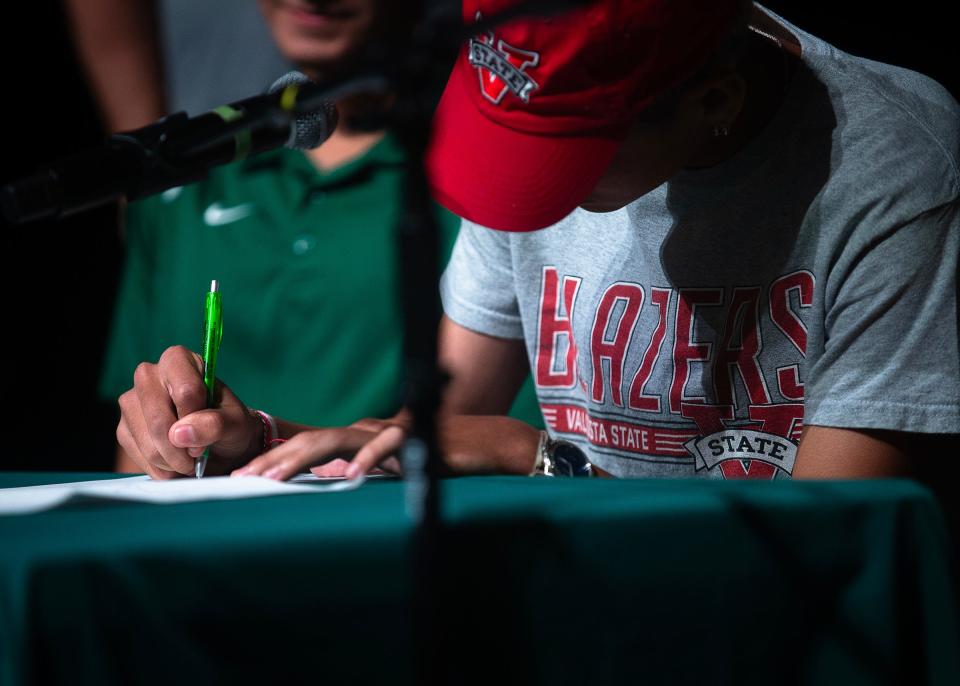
x=419 y=252
x=419 y=246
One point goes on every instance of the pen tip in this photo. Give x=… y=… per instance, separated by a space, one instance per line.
x=214 y=286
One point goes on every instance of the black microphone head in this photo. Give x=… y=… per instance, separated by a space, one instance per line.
x=309 y=129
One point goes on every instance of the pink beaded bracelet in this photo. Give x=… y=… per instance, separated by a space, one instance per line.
x=271 y=434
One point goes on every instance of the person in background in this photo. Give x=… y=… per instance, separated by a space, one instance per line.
x=145 y=58
x=118 y=44
x=303 y=247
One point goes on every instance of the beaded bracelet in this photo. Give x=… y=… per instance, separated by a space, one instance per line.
x=271 y=434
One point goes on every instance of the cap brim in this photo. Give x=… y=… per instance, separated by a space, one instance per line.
x=506 y=179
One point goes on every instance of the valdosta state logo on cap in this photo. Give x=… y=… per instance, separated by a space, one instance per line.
x=502 y=67
x=536 y=108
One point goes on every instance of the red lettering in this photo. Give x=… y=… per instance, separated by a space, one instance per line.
x=685 y=349
x=788 y=378
x=637 y=400
x=554 y=327
x=788 y=381
x=786 y=320
x=742 y=317
x=622 y=435
x=613 y=350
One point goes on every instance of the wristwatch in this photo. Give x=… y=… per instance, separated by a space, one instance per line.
x=557 y=457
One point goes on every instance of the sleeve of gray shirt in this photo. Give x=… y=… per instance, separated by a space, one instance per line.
x=890 y=358
x=477 y=287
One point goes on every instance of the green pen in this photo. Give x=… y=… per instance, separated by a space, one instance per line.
x=212 y=334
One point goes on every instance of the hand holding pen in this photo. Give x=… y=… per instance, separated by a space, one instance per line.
x=165 y=424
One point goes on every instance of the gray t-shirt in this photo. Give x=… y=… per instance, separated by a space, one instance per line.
x=216 y=52
x=811 y=278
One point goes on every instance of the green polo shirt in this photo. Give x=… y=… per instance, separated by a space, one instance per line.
x=308 y=270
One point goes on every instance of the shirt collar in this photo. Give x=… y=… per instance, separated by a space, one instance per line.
x=385 y=153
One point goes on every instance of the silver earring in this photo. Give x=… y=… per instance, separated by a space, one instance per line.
x=720 y=131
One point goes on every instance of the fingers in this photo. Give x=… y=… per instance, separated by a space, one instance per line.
x=334 y=468
x=144 y=461
x=370 y=424
x=135 y=436
x=181 y=372
x=149 y=419
x=384 y=445
x=338 y=468
x=292 y=457
x=307 y=449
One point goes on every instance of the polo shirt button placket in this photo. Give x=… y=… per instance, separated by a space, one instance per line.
x=303 y=244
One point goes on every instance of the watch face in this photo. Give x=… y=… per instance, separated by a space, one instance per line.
x=569 y=460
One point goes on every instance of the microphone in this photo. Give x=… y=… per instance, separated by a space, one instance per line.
x=173 y=151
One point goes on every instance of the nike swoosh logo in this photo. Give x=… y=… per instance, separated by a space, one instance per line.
x=217 y=215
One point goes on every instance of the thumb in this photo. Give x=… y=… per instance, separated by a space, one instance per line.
x=198 y=429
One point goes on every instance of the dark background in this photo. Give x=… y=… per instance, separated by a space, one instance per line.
x=60 y=277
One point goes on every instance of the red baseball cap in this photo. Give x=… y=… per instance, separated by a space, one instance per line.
x=535 y=110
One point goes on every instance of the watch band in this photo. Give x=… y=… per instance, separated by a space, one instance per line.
x=558 y=457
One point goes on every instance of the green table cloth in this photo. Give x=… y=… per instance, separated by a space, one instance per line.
x=548 y=581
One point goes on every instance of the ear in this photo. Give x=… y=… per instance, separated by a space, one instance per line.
x=716 y=101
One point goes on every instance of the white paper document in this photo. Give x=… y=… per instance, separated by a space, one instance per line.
x=143 y=489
